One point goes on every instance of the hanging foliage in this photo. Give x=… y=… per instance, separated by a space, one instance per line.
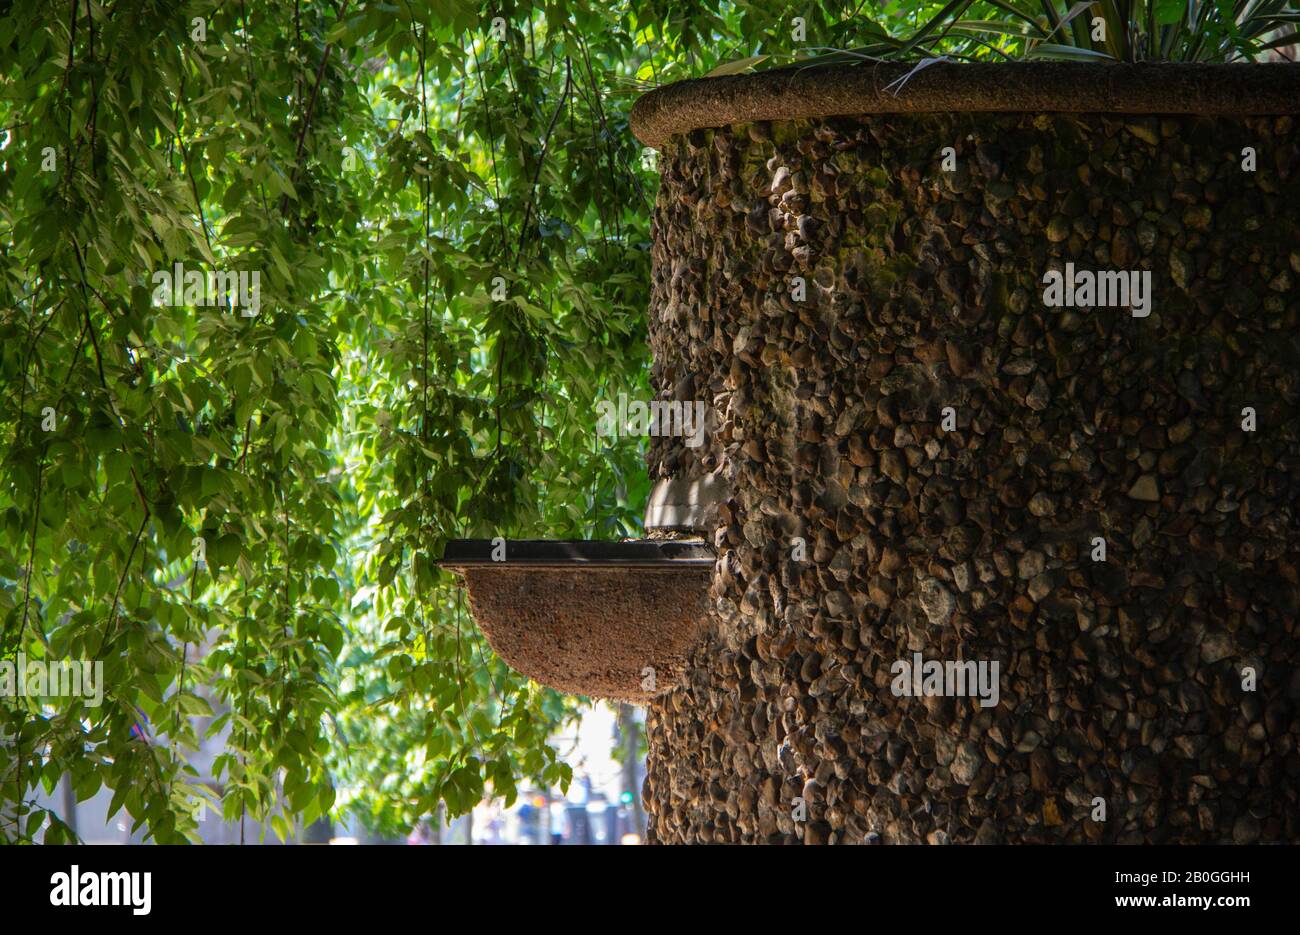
x=291 y=294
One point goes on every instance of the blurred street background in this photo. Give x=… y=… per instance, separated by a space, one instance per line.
x=602 y=805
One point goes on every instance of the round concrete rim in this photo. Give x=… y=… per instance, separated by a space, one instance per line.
x=1236 y=89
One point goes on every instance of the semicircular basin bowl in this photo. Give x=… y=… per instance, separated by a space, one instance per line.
x=612 y=620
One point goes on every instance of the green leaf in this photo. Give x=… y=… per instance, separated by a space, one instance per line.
x=737 y=66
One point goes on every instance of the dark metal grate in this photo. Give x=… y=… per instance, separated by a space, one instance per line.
x=554 y=553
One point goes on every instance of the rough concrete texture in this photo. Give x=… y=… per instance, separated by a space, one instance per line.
x=1122 y=682
x=593 y=631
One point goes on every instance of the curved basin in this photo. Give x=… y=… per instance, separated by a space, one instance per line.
x=612 y=620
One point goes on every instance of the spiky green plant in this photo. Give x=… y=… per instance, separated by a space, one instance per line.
x=1103 y=31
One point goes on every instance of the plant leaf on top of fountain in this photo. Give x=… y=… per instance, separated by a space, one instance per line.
x=1006 y=30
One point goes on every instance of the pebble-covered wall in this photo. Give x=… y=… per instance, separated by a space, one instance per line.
x=926 y=457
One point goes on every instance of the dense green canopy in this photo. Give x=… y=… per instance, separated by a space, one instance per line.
x=238 y=513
